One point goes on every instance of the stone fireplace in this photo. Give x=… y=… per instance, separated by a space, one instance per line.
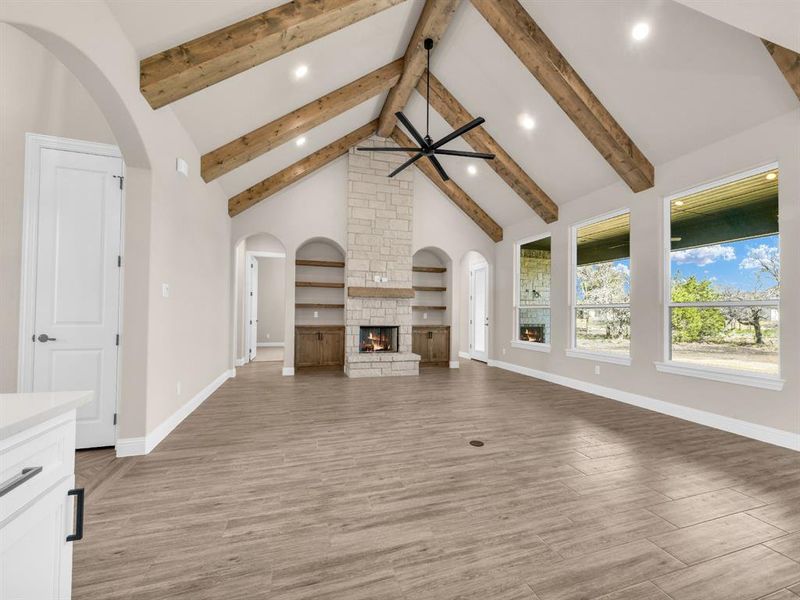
x=378 y=266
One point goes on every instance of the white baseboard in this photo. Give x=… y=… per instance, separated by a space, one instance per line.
x=464 y=355
x=145 y=445
x=454 y=364
x=288 y=371
x=762 y=433
x=240 y=362
x=269 y=345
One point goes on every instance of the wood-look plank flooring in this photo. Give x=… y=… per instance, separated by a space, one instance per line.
x=321 y=487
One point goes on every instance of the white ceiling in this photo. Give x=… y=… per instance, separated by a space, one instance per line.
x=693 y=81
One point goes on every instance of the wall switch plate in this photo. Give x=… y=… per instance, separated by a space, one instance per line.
x=376 y=278
x=384 y=279
x=316 y=314
x=424 y=315
x=597 y=369
x=182 y=167
x=165 y=290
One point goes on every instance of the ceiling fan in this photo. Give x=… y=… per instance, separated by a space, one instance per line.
x=427 y=147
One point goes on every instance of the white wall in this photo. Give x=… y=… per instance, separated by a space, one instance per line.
x=176 y=228
x=38 y=94
x=316 y=208
x=771 y=141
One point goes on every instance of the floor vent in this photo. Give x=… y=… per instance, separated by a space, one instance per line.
x=476 y=443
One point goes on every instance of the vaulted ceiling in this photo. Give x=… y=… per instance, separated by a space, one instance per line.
x=693 y=81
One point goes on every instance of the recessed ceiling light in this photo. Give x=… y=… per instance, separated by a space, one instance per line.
x=301 y=71
x=472 y=169
x=640 y=31
x=772 y=176
x=526 y=121
x=301 y=141
x=678 y=202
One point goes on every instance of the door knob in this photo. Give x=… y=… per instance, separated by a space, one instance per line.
x=44 y=338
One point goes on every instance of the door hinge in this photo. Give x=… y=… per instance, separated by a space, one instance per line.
x=117 y=342
x=251 y=293
x=251 y=322
x=121 y=180
x=115 y=418
x=119 y=261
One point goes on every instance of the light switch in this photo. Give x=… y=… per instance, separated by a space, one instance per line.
x=424 y=315
x=165 y=290
x=316 y=314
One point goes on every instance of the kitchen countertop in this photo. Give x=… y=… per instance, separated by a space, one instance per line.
x=19 y=412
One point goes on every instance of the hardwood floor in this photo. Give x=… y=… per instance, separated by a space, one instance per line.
x=322 y=487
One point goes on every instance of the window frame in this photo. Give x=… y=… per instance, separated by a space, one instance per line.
x=676 y=367
x=515 y=342
x=572 y=350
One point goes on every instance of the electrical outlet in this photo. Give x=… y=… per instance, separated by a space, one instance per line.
x=504 y=351
x=178 y=388
x=316 y=314
x=165 y=290
x=597 y=369
x=376 y=278
x=182 y=167
x=424 y=315
x=267 y=336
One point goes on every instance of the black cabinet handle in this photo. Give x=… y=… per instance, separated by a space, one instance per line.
x=26 y=474
x=79 y=497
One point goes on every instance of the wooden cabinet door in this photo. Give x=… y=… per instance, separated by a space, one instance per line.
x=331 y=347
x=306 y=347
x=440 y=345
x=420 y=343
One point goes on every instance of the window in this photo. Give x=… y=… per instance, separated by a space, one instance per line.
x=532 y=310
x=724 y=275
x=601 y=314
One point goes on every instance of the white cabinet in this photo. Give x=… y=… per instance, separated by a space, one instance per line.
x=35 y=555
x=40 y=512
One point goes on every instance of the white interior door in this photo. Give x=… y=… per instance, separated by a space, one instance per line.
x=479 y=314
x=76 y=314
x=253 y=309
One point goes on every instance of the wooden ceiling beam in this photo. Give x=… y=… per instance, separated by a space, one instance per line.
x=524 y=37
x=479 y=140
x=432 y=23
x=452 y=191
x=788 y=62
x=285 y=177
x=204 y=61
x=259 y=141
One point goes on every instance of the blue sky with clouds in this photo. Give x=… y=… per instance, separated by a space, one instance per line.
x=729 y=264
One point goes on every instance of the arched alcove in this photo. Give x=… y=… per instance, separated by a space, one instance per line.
x=432 y=314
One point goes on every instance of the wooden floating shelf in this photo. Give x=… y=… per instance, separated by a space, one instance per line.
x=429 y=269
x=318 y=284
x=429 y=307
x=377 y=292
x=302 y=262
x=312 y=305
x=429 y=288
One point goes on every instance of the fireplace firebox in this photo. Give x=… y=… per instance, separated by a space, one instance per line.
x=531 y=333
x=378 y=339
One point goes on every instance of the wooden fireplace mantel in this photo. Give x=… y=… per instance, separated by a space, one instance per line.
x=380 y=292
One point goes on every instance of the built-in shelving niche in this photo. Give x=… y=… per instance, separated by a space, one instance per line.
x=431 y=278
x=319 y=284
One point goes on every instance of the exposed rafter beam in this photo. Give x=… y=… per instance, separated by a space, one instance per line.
x=264 y=189
x=435 y=17
x=452 y=191
x=788 y=62
x=204 y=61
x=521 y=33
x=265 y=138
x=479 y=139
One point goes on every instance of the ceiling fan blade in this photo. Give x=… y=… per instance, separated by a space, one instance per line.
x=408 y=163
x=438 y=166
x=485 y=155
x=414 y=133
x=390 y=149
x=458 y=132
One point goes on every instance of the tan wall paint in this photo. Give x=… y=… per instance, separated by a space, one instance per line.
x=771 y=141
x=38 y=94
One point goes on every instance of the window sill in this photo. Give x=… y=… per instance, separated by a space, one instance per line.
x=766 y=382
x=599 y=357
x=530 y=346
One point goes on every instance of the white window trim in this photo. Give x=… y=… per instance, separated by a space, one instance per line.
x=770 y=382
x=573 y=351
x=516 y=343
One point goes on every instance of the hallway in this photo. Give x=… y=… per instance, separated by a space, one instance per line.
x=318 y=486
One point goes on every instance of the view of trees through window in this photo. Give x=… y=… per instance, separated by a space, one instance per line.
x=725 y=276
x=603 y=283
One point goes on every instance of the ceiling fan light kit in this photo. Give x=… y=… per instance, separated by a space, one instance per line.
x=427 y=147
